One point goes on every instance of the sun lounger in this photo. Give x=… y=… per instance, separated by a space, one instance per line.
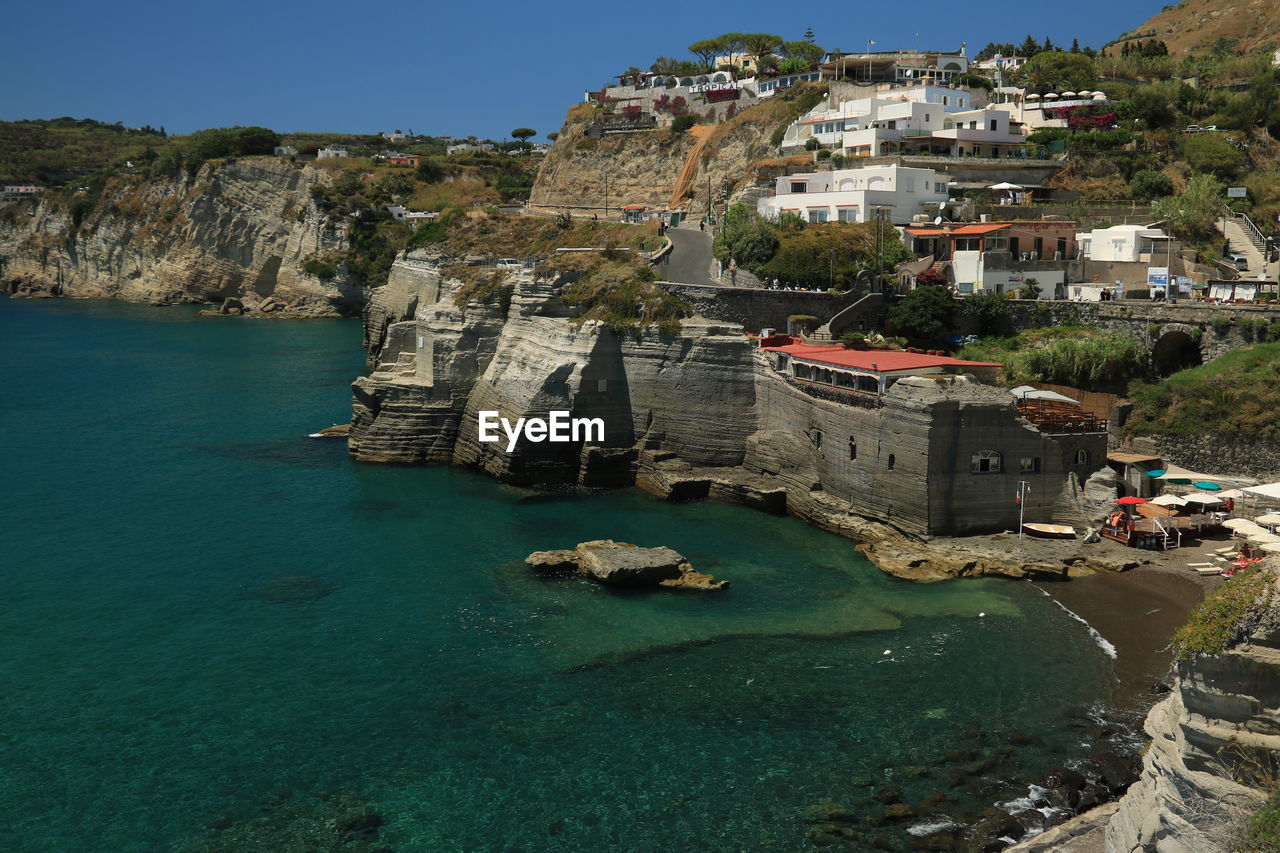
x=1211 y=570
x=1199 y=565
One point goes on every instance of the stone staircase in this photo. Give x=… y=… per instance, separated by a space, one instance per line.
x=1244 y=237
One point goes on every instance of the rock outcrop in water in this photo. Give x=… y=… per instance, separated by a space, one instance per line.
x=624 y=564
x=237 y=234
x=1214 y=740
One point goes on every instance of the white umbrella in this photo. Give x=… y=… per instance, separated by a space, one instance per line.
x=1263 y=538
x=1202 y=498
x=1169 y=500
x=1231 y=493
x=1234 y=523
x=1246 y=532
x=1269 y=518
x=1005 y=185
x=1272 y=547
x=1068 y=94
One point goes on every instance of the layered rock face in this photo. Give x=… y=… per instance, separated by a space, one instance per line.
x=241 y=230
x=439 y=368
x=1216 y=732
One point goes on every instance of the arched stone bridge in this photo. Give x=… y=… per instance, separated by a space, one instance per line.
x=1178 y=335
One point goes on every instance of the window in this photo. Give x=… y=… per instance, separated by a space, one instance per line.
x=853 y=448
x=602 y=385
x=985 y=462
x=847 y=214
x=817 y=439
x=1062 y=247
x=993 y=124
x=891 y=461
x=1029 y=465
x=818 y=214
x=1039 y=247
x=797 y=186
x=1013 y=247
x=1082 y=457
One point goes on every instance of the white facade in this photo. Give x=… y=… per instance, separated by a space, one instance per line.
x=326 y=153
x=828 y=125
x=1123 y=243
x=1001 y=63
x=852 y=195
x=286 y=151
x=1029 y=108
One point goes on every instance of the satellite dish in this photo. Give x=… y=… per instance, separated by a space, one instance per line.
x=943 y=204
x=937 y=220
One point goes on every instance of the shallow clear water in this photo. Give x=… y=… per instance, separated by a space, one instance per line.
x=203 y=606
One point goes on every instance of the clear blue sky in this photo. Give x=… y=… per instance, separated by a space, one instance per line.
x=457 y=68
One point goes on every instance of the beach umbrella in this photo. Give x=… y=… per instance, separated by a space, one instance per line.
x=1272 y=547
x=1269 y=518
x=1246 y=532
x=1233 y=523
x=1231 y=493
x=1158 y=472
x=1169 y=500
x=1196 y=497
x=1208 y=487
x=1130 y=501
x=1263 y=538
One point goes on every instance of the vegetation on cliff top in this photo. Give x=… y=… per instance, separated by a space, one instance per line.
x=1080 y=356
x=1227 y=615
x=1262 y=833
x=1236 y=395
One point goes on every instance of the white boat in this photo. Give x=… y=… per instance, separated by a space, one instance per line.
x=1050 y=531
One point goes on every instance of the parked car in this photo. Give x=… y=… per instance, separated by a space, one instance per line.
x=508 y=264
x=1193 y=128
x=1210 y=128
x=1237 y=260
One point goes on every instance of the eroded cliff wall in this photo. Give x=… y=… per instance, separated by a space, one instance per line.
x=242 y=228
x=1212 y=738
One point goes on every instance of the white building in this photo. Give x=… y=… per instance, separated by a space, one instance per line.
x=21 y=190
x=286 y=151
x=1000 y=63
x=463 y=147
x=1035 y=111
x=852 y=195
x=910 y=120
x=326 y=153
x=1124 y=244
x=394 y=136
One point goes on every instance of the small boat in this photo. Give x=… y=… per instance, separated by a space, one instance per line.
x=1050 y=531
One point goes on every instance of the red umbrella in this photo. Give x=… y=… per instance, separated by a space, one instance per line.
x=1131 y=501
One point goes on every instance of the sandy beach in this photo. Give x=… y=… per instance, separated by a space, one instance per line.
x=1137 y=611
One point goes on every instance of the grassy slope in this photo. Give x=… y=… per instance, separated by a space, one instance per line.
x=52 y=156
x=1236 y=395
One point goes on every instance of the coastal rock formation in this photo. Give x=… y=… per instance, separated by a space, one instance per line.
x=1002 y=554
x=237 y=234
x=1214 y=739
x=623 y=564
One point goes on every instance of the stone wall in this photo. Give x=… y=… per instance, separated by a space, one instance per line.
x=1238 y=457
x=757 y=308
x=1146 y=322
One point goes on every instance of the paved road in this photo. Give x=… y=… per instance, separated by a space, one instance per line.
x=690 y=259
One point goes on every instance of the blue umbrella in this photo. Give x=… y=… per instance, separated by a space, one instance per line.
x=1159 y=472
x=1208 y=487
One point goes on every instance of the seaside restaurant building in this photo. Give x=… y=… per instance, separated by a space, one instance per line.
x=869 y=371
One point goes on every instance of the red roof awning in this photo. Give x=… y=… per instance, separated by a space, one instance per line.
x=880 y=361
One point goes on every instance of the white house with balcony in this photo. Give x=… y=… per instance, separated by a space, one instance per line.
x=853 y=195
x=1124 y=244
x=827 y=124
x=330 y=153
x=922 y=128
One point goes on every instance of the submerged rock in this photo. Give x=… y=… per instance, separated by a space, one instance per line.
x=296 y=589
x=624 y=564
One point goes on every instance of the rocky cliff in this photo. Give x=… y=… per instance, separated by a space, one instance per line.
x=241 y=229
x=645 y=167
x=438 y=364
x=1214 y=740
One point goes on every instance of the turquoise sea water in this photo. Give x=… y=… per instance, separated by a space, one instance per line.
x=203 y=608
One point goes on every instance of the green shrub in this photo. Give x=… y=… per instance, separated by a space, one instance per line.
x=1227 y=615
x=1262 y=833
x=853 y=338
x=682 y=124
x=1148 y=184
x=1104 y=359
x=1220 y=324
x=319 y=269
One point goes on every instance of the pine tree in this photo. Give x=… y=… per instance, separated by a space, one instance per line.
x=1030 y=47
x=808 y=34
x=1048 y=45
x=1075 y=45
